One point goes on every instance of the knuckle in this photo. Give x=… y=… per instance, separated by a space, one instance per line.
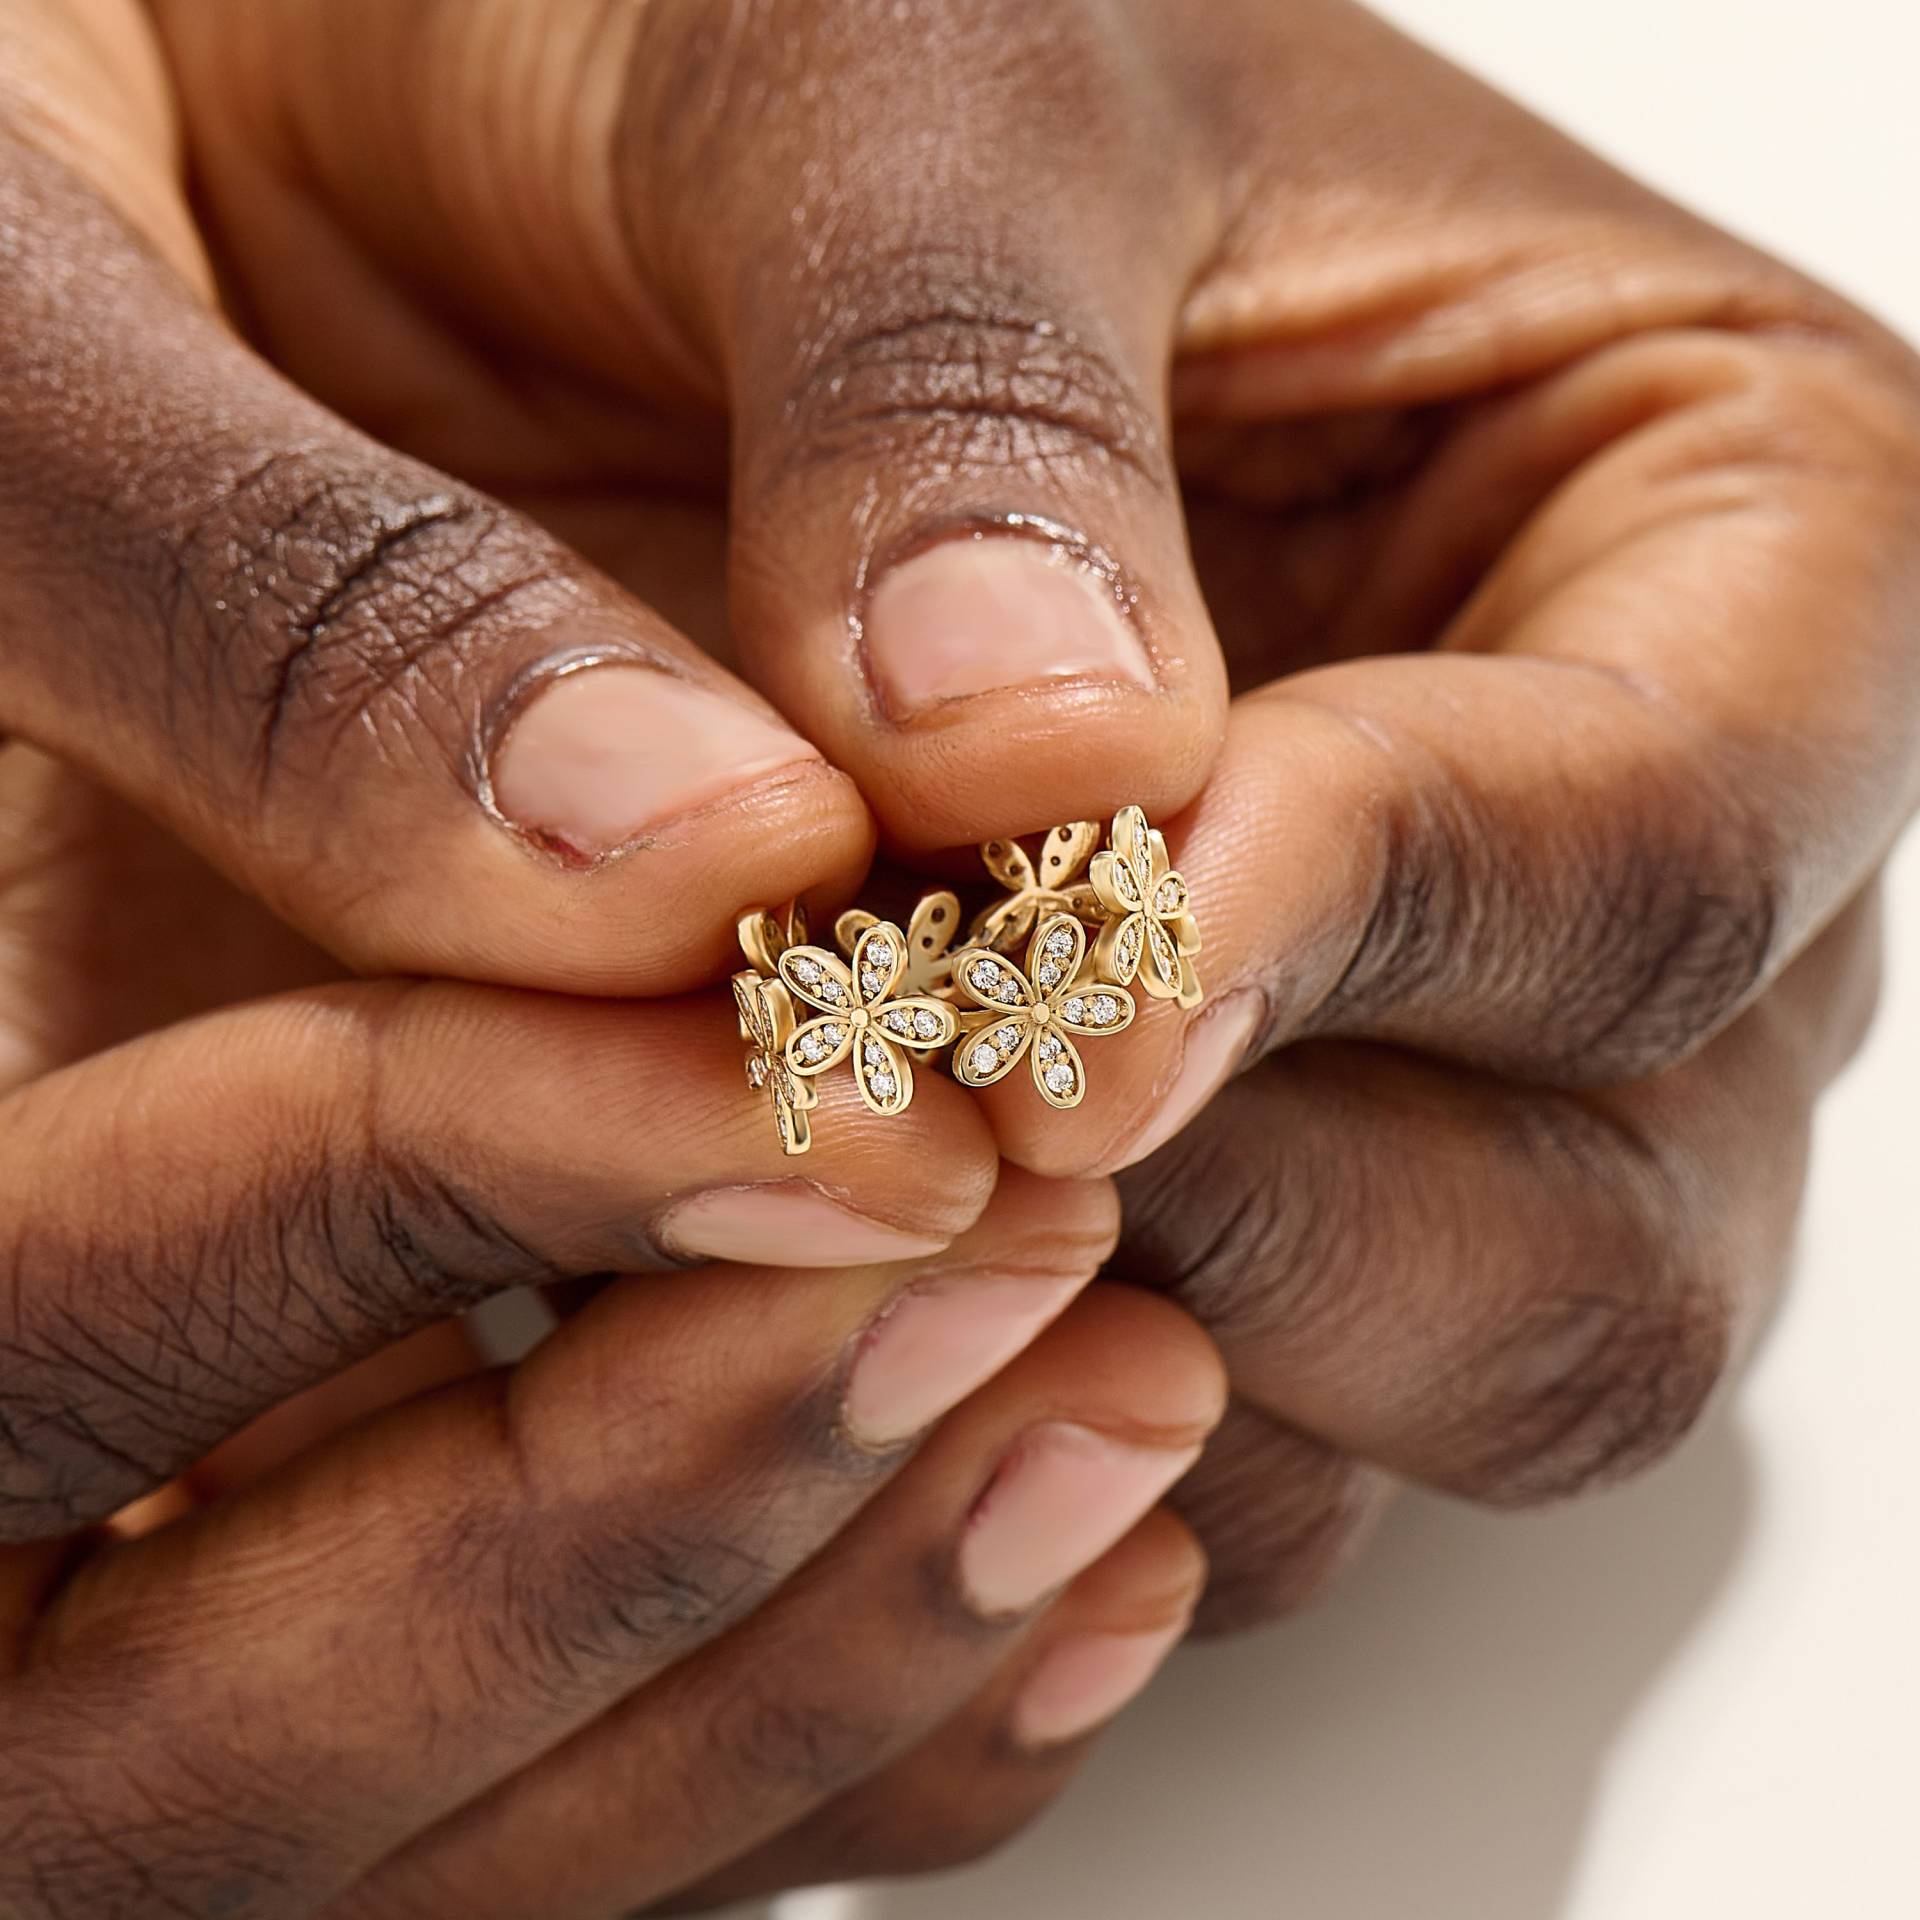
x=1281 y=1518
x=62 y=1464
x=604 y=1596
x=1654 y=940
x=762 y=1739
x=1587 y=1390
x=87 y=1831
x=944 y=380
x=1246 y=1253
x=320 y=590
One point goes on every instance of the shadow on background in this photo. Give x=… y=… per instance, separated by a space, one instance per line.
x=1427 y=1744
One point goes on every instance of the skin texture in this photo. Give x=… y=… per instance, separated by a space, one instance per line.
x=1525 y=580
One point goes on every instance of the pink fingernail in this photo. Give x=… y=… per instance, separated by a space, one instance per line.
x=988 y=611
x=932 y=1349
x=1216 y=1043
x=1058 y=1502
x=604 y=753
x=1087 y=1680
x=786 y=1225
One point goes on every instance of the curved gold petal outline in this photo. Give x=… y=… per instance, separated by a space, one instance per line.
x=1069 y=1056
x=947 y=1021
x=831 y=967
x=795 y=1050
x=894 y=1064
x=1040 y=952
x=1085 y=1025
x=985 y=1034
x=969 y=958
x=882 y=932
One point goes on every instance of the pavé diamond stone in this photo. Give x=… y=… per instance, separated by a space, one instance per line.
x=985 y=1059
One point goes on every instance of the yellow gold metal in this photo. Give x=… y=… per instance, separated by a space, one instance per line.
x=859 y=1015
x=1150 y=932
x=766 y=1024
x=764 y=936
x=930 y=937
x=1036 y=1013
x=1055 y=885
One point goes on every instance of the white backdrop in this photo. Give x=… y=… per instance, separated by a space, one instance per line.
x=1700 y=1696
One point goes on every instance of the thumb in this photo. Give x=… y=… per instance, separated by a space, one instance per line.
x=959 y=555
x=416 y=726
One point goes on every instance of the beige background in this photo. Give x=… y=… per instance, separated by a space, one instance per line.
x=1699 y=1697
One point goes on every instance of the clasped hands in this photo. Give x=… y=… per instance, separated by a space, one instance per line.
x=492 y=492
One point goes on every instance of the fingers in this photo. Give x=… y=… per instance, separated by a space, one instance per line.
x=958 y=560
x=1511 y=1294
x=386 y=1157
x=1575 y=840
x=997 y=1764
x=506 y=1560
x=959 y=553
x=420 y=729
x=1281 y=1516
x=878 y=1642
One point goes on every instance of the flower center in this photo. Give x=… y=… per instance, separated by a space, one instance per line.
x=1042 y=1014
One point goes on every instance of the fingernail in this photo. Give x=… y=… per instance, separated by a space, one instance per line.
x=1058 y=1502
x=1216 y=1043
x=989 y=611
x=602 y=754
x=784 y=1226
x=933 y=1347
x=1087 y=1680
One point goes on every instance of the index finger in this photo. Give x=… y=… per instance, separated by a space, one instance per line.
x=1667 y=738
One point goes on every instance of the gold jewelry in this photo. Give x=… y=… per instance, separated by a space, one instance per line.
x=891 y=995
x=1150 y=932
x=858 y=1015
x=1036 y=1013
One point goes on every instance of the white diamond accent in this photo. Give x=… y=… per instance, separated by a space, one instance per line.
x=1168 y=898
x=1060 y=942
x=805 y=969
x=871 y=981
x=899 y=1021
x=832 y=992
x=831 y=1035
x=813 y=1047
x=1075 y=1009
x=1049 y=1048
x=925 y=1024
x=1105 y=1010
x=1007 y=1038
x=986 y=973
x=1049 y=974
x=985 y=1059
x=1009 y=993
x=1060 y=1076
x=874 y=1054
x=884 y=1086
x=879 y=954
